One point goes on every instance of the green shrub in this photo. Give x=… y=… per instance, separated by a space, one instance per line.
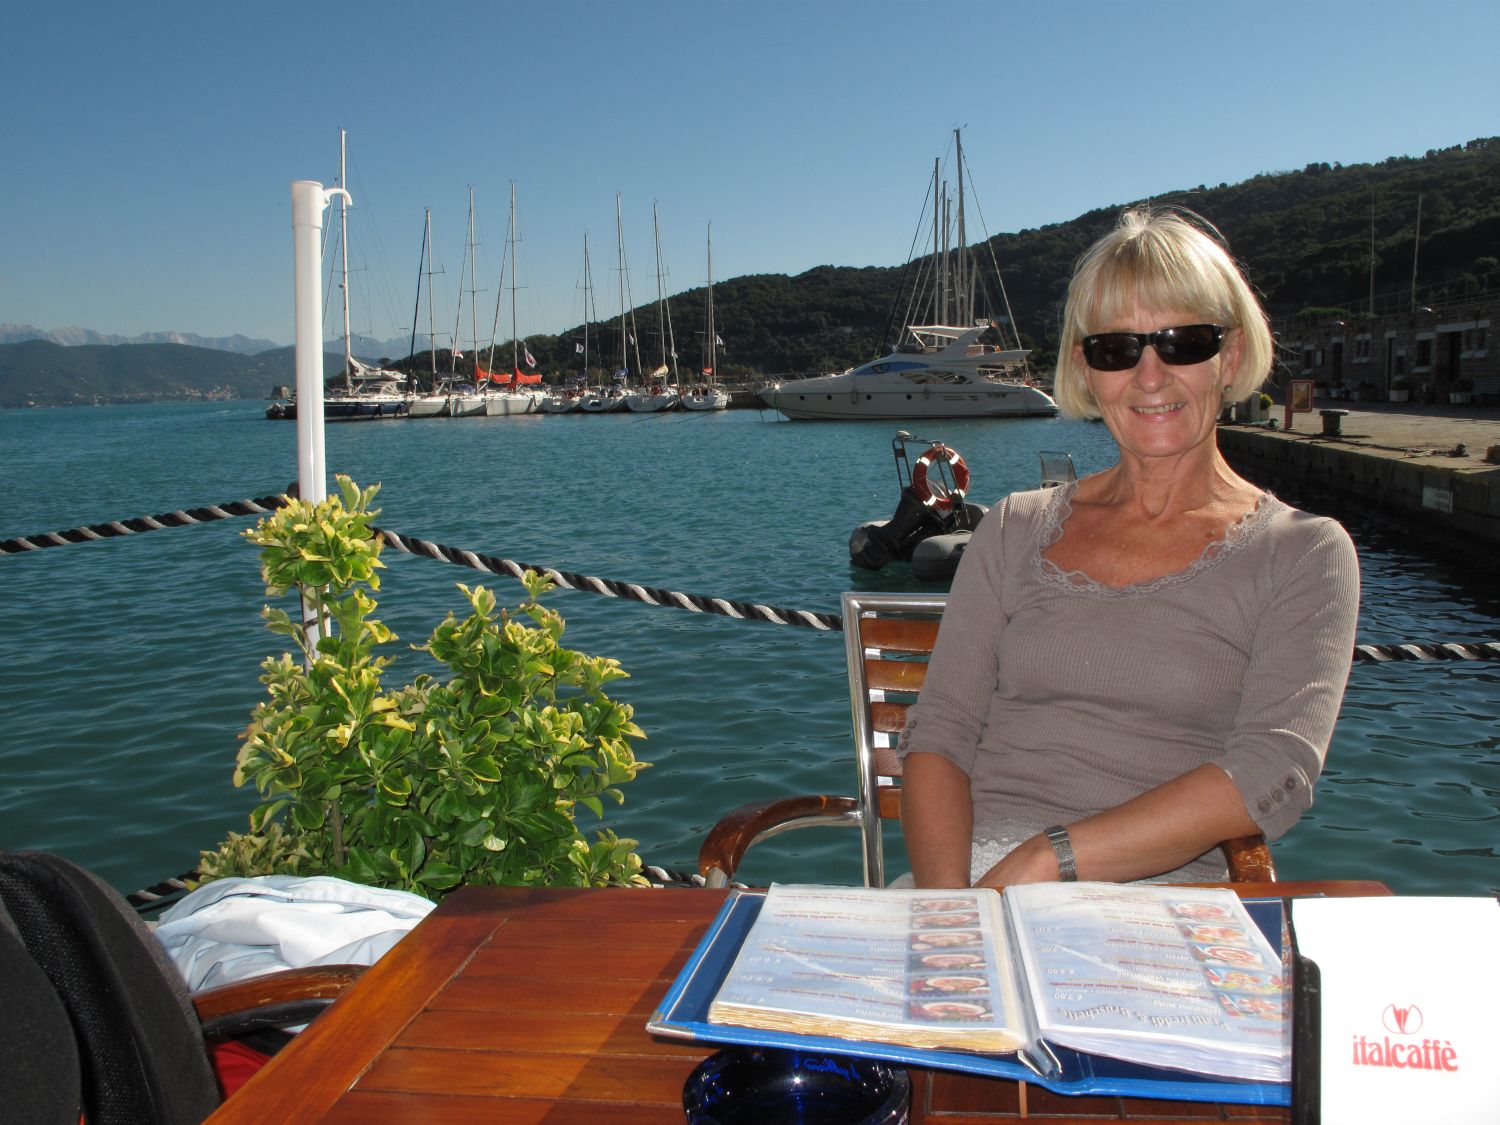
x=474 y=777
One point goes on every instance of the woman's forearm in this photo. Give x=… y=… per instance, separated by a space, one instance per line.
x=937 y=818
x=1159 y=831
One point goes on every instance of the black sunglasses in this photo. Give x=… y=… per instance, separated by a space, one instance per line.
x=1178 y=347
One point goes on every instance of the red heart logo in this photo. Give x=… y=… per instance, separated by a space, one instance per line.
x=1402 y=1021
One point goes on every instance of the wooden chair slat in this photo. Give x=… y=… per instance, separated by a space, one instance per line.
x=888 y=717
x=898 y=634
x=895 y=675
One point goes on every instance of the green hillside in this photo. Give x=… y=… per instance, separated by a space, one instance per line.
x=40 y=373
x=1305 y=237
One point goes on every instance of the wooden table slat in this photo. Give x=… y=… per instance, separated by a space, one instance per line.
x=360 y=1108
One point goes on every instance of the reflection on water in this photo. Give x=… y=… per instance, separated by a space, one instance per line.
x=130 y=666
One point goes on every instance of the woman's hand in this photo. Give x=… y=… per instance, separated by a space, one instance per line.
x=1031 y=861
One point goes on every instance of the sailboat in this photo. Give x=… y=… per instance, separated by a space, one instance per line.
x=433 y=401
x=953 y=366
x=708 y=393
x=368 y=392
x=460 y=398
x=606 y=399
x=565 y=400
x=503 y=396
x=659 y=393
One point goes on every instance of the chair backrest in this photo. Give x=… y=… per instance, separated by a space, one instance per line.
x=141 y=1054
x=887 y=640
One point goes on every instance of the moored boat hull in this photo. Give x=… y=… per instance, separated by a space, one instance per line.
x=505 y=404
x=646 y=402
x=705 y=398
x=827 y=400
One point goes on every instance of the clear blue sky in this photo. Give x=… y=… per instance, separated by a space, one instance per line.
x=150 y=147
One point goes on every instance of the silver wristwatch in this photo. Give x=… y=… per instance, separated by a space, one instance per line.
x=1067 y=866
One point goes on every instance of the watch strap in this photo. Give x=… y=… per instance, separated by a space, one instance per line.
x=1062 y=846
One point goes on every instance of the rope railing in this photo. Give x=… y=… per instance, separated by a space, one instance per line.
x=612 y=588
x=1425 y=652
x=182 y=517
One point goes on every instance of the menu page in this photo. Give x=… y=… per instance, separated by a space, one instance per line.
x=917 y=968
x=1171 y=977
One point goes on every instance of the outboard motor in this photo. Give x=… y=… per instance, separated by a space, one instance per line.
x=876 y=543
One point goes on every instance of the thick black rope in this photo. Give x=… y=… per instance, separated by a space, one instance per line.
x=1426 y=652
x=610 y=588
x=183 y=517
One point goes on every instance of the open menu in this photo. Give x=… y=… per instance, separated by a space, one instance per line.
x=1174 y=978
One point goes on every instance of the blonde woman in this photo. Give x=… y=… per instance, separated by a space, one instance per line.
x=1139 y=666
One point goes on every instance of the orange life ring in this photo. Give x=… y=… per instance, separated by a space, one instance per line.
x=938 y=495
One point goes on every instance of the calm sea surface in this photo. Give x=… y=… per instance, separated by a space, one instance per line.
x=128 y=667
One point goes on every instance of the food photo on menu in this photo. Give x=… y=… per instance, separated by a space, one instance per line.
x=948 y=984
x=928 y=962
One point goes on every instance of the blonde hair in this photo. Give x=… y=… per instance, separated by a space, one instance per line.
x=1163 y=259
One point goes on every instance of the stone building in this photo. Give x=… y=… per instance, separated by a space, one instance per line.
x=1439 y=352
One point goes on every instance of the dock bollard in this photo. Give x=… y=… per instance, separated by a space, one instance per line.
x=1332 y=421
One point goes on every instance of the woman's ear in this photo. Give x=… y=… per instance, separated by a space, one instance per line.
x=1230 y=354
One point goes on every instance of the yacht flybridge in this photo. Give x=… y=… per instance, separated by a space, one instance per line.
x=940 y=372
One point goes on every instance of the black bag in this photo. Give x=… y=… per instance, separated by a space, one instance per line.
x=95 y=1017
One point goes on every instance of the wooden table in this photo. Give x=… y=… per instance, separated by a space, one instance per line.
x=529 y=1005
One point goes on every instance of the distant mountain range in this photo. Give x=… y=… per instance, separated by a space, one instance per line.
x=71 y=336
x=41 y=373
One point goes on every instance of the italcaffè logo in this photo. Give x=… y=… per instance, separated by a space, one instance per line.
x=1400 y=1048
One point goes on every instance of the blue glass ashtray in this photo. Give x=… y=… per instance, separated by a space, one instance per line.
x=765 y=1085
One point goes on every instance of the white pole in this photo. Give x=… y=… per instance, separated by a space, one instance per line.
x=309 y=200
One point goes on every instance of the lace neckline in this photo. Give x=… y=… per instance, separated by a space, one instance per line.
x=1060 y=507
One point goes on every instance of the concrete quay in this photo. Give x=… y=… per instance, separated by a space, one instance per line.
x=1403 y=460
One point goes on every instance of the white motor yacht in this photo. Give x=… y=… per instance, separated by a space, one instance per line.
x=941 y=372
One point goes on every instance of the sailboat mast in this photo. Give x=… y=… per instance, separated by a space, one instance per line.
x=588 y=301
x=965 y=297
x=416 y=310
x=620 y=268
x=661 y=303
x=458 y=313
x=344 y=255
x=948 y=301
x=431 y=327
x=515 y=331
x=937 y=242
x=713 y=339
x=473 y=282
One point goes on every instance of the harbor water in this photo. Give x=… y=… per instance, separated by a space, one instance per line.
x=130 y=666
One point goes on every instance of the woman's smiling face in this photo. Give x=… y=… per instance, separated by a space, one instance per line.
x=1154 y=409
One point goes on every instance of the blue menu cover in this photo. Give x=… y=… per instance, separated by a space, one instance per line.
x=683 y=1014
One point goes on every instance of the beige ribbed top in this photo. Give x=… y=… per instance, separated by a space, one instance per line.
x=1060 y=697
